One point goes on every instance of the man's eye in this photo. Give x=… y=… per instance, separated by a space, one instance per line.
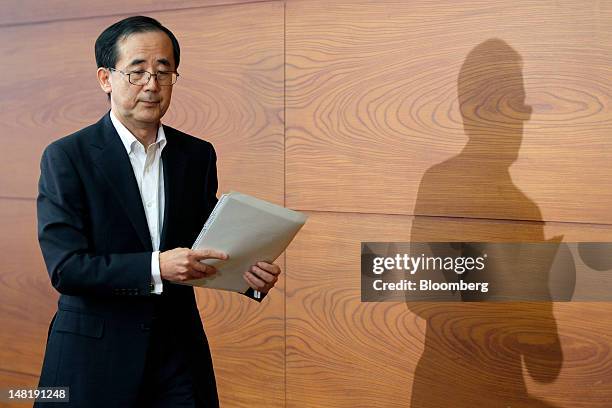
x=137 y=72
x=162 y=73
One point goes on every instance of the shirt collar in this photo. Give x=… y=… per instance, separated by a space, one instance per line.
x=129 y=140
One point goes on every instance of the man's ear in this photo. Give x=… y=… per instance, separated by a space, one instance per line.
x=104 y=80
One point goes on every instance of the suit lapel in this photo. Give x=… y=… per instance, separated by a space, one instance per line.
x=112 y=159
x=174 y=161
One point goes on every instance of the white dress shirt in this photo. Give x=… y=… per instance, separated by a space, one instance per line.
x=148 y=170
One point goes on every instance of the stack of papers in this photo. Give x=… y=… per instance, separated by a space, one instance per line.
x=248 y=230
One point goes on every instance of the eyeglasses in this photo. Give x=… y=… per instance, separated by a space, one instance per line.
x=143 y=77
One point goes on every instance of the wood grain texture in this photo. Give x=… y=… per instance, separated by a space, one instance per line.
x=28 y=300
x=345 y=353
x=230 y=93
x=32 y=11
x=379 y=93
x=9 y=379
x=248 y=345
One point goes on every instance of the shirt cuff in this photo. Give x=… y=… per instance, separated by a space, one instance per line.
x=157 y=286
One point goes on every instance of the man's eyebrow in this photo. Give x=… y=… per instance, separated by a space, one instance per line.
x=136 y=62
x=163 y=61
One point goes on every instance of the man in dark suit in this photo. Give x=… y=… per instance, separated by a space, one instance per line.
x=120 y=202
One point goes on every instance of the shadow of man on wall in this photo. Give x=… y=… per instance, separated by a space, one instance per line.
x=477 y=354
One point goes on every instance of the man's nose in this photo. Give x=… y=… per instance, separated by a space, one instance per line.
x=153 y=84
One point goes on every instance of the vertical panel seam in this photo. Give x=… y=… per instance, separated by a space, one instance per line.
x=285 y=192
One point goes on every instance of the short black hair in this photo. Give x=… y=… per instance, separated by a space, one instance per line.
x=106 y=44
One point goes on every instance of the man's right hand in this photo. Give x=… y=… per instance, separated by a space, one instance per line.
x=182 y=264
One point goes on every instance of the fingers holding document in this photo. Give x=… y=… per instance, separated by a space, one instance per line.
x=182 y=264
x=262 y=276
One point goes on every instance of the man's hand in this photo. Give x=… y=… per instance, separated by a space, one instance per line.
x=262 y=276
x=181 y=264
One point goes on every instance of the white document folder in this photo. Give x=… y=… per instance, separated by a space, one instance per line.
x=248 y=230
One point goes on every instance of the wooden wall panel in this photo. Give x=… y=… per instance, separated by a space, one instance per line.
x=344 y=353
x=230 y=93
x=14 y=380
x=53 y=91
x=372 y=107
x=28 y=300
x=16 y=12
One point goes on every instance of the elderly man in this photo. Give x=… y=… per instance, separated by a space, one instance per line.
x=119 y=203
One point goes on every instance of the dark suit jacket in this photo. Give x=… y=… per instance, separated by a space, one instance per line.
x=95 y=241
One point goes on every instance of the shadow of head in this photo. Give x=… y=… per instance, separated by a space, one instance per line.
x=492 y=98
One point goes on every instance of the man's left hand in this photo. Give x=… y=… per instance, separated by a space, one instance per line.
x=262 y=276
